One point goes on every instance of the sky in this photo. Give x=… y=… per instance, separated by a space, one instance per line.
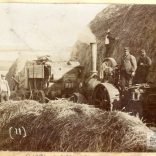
x=48 y=28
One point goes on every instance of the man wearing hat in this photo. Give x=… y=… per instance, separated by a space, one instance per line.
x=144 y=64
x=4 y=89
x=46 y=75
x=109 y=40
x=128 y=68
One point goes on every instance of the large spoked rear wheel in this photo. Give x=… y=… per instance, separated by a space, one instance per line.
x=101 y=98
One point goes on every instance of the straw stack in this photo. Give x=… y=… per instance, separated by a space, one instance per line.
x=61 y=125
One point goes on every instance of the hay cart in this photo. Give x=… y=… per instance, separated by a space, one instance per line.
x=103 y=90
x=37 y=82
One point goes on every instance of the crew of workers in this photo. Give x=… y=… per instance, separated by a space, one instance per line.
x=130 y=70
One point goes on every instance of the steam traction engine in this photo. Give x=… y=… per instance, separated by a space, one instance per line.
x=95 y=90
x=103 y=90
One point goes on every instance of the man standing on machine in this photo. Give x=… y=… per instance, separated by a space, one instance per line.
x=46 y=75
x=109 y=42
x=128 y=68
x=144 y=64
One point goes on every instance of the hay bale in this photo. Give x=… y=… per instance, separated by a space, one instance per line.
x=65 y=126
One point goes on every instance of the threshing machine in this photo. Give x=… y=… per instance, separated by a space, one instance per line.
x=45 y=79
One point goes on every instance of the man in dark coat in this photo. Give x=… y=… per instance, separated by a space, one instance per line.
x=128 y=68
x=144 y=64
x=109 y=40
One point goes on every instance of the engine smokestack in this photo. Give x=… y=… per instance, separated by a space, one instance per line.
x=94 y=57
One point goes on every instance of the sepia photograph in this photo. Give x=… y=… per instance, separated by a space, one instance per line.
x=77 y=77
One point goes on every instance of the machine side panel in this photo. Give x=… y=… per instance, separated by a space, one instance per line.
x=36 y=71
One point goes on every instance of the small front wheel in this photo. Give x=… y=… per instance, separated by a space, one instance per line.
x=78 y=98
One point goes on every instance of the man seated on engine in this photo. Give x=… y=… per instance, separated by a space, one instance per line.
x=106 y=72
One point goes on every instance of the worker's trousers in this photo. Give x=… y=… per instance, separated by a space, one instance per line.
x=4 y=96
x=108 y=50
x=126 y=79
x=141 y=75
